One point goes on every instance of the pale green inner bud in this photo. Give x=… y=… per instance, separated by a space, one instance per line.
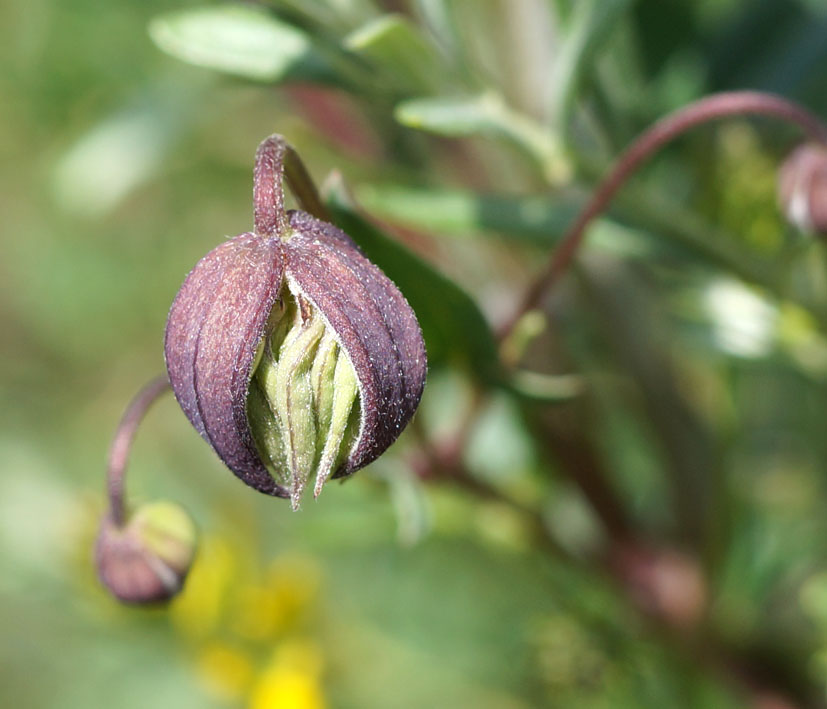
x=303 y=400
x=167 y=532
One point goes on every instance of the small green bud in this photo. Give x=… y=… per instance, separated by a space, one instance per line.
x=147 y=559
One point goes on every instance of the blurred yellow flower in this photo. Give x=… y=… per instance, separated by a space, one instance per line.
x=291 y=680
x=233 y=610
x=226 y=672
x=198 y=610
x=274 y=606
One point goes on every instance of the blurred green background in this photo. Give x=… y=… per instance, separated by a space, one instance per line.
x=696 y=322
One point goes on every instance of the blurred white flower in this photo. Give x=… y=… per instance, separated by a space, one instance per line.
x=743 y=323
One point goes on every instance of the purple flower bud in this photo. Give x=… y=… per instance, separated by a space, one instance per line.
x=802 y=188
x=147 y=559
x=288 y=350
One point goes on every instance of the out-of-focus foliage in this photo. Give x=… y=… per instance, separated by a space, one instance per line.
x=472 y=130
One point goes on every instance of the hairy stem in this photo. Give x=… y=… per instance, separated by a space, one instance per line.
x=707 y=109
x=277 y=161
x=122 y=444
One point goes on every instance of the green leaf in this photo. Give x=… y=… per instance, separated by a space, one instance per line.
x=455 y=117
x=454 y=328
x=337 y=17
x=401 y=53
x=486 y=114
x=539 y=221
x=240 y=40
x=535 y=220
x=136 y=138
x=592 y=22
x=546 y=388
x=437 y=15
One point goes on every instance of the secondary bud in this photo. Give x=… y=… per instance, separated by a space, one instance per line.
x=147 y=559
x=802 y=188
x=293 y=355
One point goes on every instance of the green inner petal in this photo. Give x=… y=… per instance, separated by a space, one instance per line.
x=303 y=401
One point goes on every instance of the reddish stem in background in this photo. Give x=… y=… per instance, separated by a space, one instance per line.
x=122 y=444
x=647 y=144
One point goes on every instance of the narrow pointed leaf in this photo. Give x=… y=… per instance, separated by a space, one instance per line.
x=487 y=114
x=398 y=49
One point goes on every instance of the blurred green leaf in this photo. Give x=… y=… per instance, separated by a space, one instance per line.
x=536 y=220
x=531 y=220
x=632 y=324
x=547 y=388
x=559 y=9
x=455 y=117
x=439 y=19
x=485 y=114
x=454 y=328
x=590 y=25
x=109 y=161
x=104 y=165
x=242 y=40
x=401 y=53
x=337 y=17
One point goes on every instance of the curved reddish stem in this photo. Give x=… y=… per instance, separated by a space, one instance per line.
x=276 y=161
x=707 y=109
x=122 y=444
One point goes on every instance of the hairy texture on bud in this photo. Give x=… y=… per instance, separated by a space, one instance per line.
x=293 y=355
x=372 y=321
x=215 y=324
x=146 y=560
x=802 y=188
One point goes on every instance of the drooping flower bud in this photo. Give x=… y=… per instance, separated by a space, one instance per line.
x=147 y=559
x=294 y=356
x=802 y=188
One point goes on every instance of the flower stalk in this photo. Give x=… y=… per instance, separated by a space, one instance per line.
x=122 y=444
x=647 y=144
x=142 y=555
